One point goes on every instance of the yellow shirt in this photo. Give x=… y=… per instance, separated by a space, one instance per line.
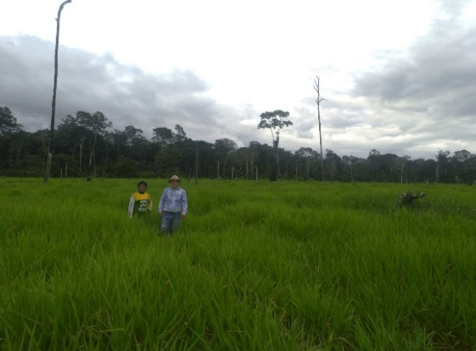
x=140 y=203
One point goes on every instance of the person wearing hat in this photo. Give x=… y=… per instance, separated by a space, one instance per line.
x=172 y=206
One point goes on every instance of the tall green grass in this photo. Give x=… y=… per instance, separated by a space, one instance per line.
x=254 y=266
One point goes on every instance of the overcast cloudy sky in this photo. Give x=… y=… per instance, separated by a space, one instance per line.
x=397 y=76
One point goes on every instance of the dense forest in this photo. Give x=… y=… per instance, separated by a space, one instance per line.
x=84 y=146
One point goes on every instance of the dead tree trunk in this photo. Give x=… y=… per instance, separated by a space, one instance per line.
x=318 y=101
x=53 y=105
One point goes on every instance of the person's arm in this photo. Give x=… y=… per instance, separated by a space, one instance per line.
x=184 y=204
x=160 y=209
x=130 y=210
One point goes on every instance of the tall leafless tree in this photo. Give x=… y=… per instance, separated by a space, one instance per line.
x=52 y=131
x=318 y=101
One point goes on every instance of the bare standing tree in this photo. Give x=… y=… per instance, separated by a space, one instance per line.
x=318 y=101
x=50 y=146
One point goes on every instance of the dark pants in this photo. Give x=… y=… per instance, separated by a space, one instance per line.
x=170 y=222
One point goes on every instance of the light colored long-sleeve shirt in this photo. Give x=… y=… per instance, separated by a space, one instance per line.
x=173 y=200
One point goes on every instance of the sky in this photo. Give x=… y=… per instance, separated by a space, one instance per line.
x=395 y=76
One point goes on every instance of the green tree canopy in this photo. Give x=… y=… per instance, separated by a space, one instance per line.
x=274 y=122
x=8 y=123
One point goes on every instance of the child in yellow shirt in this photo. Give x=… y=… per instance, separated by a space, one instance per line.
x=141 y=202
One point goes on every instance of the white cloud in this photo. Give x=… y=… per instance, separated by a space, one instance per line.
x=395 y=76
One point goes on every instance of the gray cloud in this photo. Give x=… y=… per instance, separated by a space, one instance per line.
x=439 y=70
x=428 y=93
x=125 y=94
x=454 y=8
x=416 y=103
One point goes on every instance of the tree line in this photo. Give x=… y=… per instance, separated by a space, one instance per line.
x=85 y=145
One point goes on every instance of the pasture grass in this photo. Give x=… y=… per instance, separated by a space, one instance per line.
x=254 y=266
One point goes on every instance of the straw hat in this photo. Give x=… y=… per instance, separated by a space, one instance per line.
x=174 y=177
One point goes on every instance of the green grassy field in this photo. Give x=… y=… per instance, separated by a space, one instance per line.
x=254 y=266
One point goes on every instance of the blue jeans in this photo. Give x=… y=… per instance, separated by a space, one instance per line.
x=170 y=222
